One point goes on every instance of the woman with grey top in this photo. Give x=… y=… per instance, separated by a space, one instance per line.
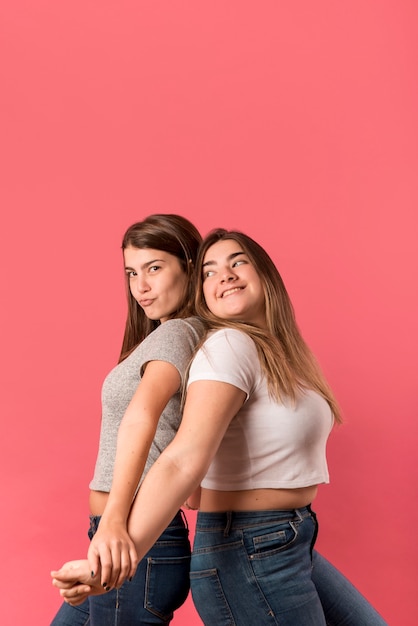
x=340 y=602
x=160 y=336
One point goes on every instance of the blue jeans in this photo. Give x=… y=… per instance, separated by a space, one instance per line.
x=342 y=603
x=255 y=567
x=159 y=587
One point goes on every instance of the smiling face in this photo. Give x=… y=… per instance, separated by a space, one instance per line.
x=231 y=286
x=156 y=281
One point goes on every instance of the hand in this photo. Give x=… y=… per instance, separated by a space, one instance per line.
x=113 y=552
x=188 y=506
x=75 y=582
x=193 y=501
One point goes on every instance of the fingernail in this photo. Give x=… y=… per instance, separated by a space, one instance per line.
x=92 y=574
x=130 y=579
x=107 y=588
x=104 y=585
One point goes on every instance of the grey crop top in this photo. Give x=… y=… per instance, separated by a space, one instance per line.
x=173 y=341
x=268 y=444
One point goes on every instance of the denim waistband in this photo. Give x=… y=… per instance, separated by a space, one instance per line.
x=242 y=519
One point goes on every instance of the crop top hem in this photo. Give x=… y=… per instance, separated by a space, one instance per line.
x=265 y=484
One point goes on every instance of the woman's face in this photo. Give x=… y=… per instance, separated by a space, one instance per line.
x=156 y=280
x=231 y=286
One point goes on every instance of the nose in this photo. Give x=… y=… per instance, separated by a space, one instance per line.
x=227 y=276
x=141 y=284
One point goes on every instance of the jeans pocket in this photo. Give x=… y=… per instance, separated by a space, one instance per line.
x=277 y=541
x=209 y=598
x=167 y=584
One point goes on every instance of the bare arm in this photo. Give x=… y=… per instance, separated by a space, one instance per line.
x=210 y=406
x=111 y=549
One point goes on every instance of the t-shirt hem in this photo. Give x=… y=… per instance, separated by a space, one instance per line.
x=230 y=380
x=264 y=485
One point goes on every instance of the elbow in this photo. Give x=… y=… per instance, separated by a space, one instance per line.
x=189 y=468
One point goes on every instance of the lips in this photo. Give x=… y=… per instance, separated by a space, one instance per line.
x=145 y=303
x=229 y=292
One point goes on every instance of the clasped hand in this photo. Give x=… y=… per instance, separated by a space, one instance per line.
x=111 y=559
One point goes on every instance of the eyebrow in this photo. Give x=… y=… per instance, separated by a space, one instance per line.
x=145 y=265
x=228 y=258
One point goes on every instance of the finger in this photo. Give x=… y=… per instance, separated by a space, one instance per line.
x=72 y=571
x=64 y=577
x=106 y=565
x=76 y=602
x=76 y=591
x=76 y=595
x=117 y=553
x=125 y=568
x=134 y=561
x=93 y=560
x=59 y=584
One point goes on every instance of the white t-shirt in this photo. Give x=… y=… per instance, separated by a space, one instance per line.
x=268 y=444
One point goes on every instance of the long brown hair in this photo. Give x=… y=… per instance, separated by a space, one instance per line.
x=173 y=234
x=286 y=359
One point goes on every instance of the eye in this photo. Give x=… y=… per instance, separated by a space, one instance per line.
x=208 y=274
x=130 y=273
x=153 y=268
x=239 y=262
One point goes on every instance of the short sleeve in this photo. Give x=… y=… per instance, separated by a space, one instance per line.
x=173 y=342
x=227 y=356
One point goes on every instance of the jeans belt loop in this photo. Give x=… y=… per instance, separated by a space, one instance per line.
x=183 y=515
x=228 y=523
x=299 y=514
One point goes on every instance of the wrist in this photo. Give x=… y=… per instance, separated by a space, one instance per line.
x=111 y=519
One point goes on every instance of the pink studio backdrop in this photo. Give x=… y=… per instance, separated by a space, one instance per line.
x=293 y=121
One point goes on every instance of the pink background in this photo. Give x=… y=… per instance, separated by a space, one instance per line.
x=293 y=121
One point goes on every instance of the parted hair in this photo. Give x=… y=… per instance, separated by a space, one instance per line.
x=286 y=359
x=173 y=234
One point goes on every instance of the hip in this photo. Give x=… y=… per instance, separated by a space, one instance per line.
x=257 y=533
x=97 y=502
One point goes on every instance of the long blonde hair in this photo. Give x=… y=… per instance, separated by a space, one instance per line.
x=286 y=359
